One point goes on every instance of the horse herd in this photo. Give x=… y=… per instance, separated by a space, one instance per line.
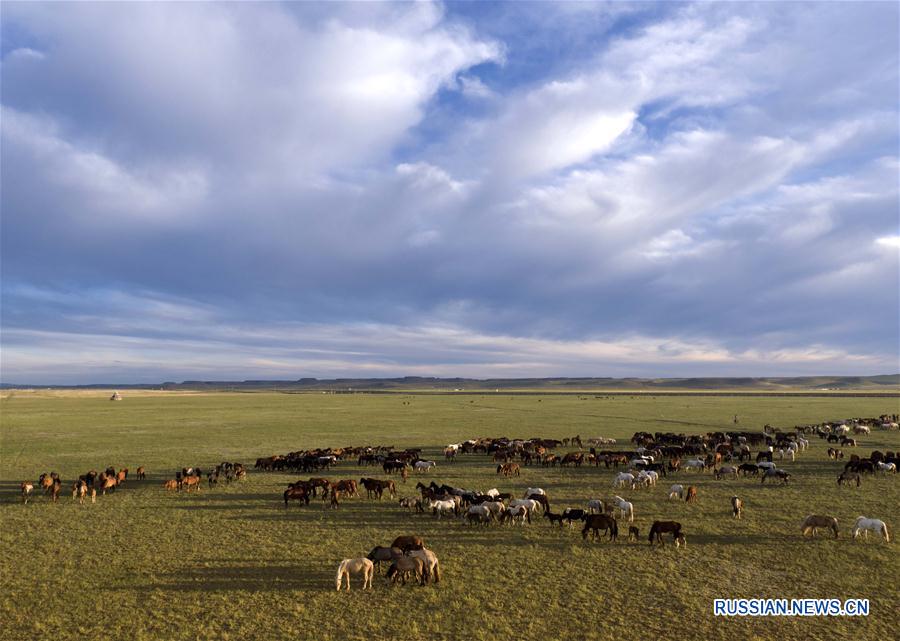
x=85 y=486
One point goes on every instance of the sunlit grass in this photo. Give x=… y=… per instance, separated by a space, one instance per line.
x=232 y=563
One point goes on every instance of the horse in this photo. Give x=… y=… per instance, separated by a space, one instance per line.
x=596 y=505
x=814 y=521
x=517 y=514
x=432 y=565
x=781 y=475
x=633 y=533
x=694 y=464
x=554 y=518
x=573 y=514
x=676 y=492
x=541 y=500
x=626 y=508
x=594 y=523
x=748 y=469
x=27 y=488
x=737 y=507
x=480 y=514
x=296 y=493
x=408 y=543
x=624 y=479
x=171 y=484
x=355 y=566
x=381 y=553
x=46 y=482
x=80 y=490
x=424 y=466
x=439 y=507
x=848 y=478
x=108 y=483
x=509 y=469
x=726 y=470
x=189 y=482
x=662 y=527
x=887 y=467
x=691 y=494
x=141 y=473
x=122 y=476
x=402 y=566
x=348 y=486
x=864 y=524
x=533 y=490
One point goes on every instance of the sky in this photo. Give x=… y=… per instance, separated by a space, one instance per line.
x=274 y=191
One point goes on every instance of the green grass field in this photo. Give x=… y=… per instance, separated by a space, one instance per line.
x=232 y=563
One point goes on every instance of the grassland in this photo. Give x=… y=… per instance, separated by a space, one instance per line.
x=232 y=563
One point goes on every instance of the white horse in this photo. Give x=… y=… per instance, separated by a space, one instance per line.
x=533 y=490
x=887 y=467
x=766 y=465
x=652 y=475
x=626 y=508
x=440 y=506
x=432 y=566
x=516 y=514
x=864 y=524
x=676 y=492
x=355 y=566
x=803 y=443
x=624 y=478
x=424 y=466
x=529 y=504
x=494 y=492
x=694 y=464
x=596 y=505
x=479 y=512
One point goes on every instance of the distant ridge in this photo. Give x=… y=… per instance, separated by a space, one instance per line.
x=885 y=383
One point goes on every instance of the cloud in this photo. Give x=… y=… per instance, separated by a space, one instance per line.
x=681 y=186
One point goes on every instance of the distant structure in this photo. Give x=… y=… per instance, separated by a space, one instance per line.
x=115 y=397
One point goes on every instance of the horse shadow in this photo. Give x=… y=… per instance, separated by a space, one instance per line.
x=247 y=577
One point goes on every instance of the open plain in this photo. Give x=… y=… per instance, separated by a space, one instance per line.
x=232 y=563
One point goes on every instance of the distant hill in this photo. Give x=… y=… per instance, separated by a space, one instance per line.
x=889 y=383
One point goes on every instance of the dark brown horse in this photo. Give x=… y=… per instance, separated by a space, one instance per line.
x=663 y=527
x=597 y=522
x=296 y=493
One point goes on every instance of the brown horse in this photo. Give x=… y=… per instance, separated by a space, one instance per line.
x=509 y=469
x=408 y=543
x=122 y=476
x=189 y=482
x=848 y=478
x=663 y=527
x=691 y=494
x=403 y=566
x=347 y=486
x=597 y=522
x=27 y=489
x=171 y=484
x=141 y=473
x=107 y=483
x=814 y=521
x=296 y=494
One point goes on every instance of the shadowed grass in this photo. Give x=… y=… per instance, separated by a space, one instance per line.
x=233 y=563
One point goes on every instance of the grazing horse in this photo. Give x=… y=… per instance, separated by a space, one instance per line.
x=533 y=490
x=27 y=489
x=748 y=469
x=662 y=527
x=779 y=474
x=408 y=543
x=541 y=500
x=518 y=514
x=171 y=484
x=432 y=565
x=382 y=553
x=625 y=508
x=737 y=507
x=479 y=514
x=424 y=466
x=439 y=507
x=594 y=523
x=402 y=566
x=691 y=494
x=573 y=514
x=848 y=478
x=814 y=521
x=633 y=533
x=676 y=492
x=596 y=505
x=624 y=479
x=355 y=566
x=864 y=524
